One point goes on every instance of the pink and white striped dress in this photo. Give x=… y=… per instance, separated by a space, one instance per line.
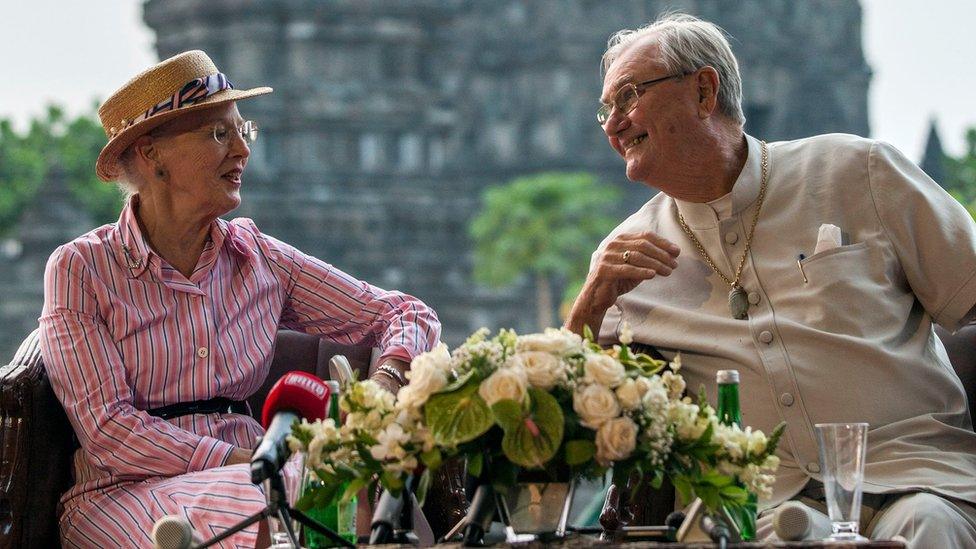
x=123 y=331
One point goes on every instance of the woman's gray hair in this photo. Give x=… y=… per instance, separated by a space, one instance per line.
x=129 y=182
x=688 y=44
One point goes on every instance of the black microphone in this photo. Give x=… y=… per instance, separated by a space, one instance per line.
x=674 y=520
x=716 y=530
x=386 y=517
x=480 y=513
x=296 y=395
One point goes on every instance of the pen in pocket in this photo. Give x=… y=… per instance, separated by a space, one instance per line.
x=799 y=265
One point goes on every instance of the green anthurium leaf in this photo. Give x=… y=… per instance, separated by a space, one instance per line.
x=423 y=486
x=457 y=383
x=458 y=416
x=475 y=463
x=431 y=459
x=536 y=437
x=579 y=451
x=508 y=413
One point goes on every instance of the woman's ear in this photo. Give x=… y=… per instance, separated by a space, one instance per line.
x=147 y=154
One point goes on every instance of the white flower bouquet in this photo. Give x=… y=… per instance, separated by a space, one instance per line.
x=552 y=404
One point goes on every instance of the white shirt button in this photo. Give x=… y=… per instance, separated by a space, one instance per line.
x=754 y=297
x=786 y=399
x=813 y=467
x=765 y=336
x=731 y=238
x=203 y=352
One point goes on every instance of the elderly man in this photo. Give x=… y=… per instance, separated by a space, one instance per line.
x=814 y=267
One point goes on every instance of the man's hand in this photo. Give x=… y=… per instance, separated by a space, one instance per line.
x=628 y=260
x=238 y=456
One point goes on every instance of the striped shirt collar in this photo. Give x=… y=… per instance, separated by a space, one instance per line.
x=136 y=253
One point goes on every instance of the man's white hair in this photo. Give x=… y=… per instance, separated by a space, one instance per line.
x=688 y=44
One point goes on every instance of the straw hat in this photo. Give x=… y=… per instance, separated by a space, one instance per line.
x=183 y=83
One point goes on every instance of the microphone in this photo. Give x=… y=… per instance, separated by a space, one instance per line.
x=674 y=520
x=794 y=521
x=173 y=532
x=716 y=530
x=386 y=517
x=394 y=514
x=296 y=395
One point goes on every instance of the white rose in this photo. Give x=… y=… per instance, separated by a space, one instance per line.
x=615 y=440
x=426 y=376
x=544 y=370
x=603 y=369
x=628 y=393
x=511 y=383
x=558 y=342
x=438 y=359
x=655 y=397
x=595 y=404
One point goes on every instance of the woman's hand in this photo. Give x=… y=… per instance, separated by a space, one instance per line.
x=238 y=456
x=388 y=380
x=627 y=260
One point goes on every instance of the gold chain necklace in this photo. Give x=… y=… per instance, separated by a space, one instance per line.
x=738 y=302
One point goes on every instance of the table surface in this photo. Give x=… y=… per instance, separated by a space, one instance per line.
x=591 y=541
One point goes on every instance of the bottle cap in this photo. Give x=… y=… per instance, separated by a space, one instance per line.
x=725 y=377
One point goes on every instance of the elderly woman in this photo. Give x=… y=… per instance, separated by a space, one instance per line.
x=172 y=309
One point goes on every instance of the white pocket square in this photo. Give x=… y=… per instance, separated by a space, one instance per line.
x=828 y=237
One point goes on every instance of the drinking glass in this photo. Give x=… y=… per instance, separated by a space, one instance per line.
x=842 y=451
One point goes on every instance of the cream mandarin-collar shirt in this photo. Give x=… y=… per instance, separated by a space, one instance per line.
x=847 y=338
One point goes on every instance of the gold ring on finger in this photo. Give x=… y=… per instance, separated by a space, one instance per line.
x=627 y=256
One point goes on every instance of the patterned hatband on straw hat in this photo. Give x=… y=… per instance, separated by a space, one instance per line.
x=183 y=83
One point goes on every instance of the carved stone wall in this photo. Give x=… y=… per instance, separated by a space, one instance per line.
x=390 y=117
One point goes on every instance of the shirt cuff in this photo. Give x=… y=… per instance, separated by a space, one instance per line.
x=399 y=353
x=210 y=453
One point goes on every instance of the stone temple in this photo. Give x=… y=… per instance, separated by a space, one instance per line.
x=390 y=117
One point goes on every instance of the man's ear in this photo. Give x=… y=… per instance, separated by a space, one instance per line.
x=707 y=81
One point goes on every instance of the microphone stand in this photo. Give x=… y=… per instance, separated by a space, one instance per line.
x=278 y=506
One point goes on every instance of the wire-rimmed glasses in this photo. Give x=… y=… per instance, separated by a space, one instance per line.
x=625 y=100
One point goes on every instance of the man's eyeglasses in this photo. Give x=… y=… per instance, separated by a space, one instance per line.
x=625 y=100
x=248 y=131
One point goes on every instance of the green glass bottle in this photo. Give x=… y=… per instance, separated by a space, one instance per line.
x=340 y=517
x=729 y=413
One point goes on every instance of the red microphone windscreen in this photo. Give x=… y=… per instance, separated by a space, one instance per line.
x=299 y=392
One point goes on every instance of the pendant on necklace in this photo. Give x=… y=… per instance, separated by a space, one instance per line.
x=738 y=303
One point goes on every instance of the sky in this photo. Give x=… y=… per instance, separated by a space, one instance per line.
x=922 y=54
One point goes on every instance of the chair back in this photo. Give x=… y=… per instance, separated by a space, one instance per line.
x=961 y=348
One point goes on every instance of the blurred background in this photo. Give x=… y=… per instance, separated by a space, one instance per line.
x=448 y=148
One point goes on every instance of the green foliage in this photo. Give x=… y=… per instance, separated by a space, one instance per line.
x=533 y=435
x=961 y=174
x=546 y=224
x=53 y=141
x=458 y=416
